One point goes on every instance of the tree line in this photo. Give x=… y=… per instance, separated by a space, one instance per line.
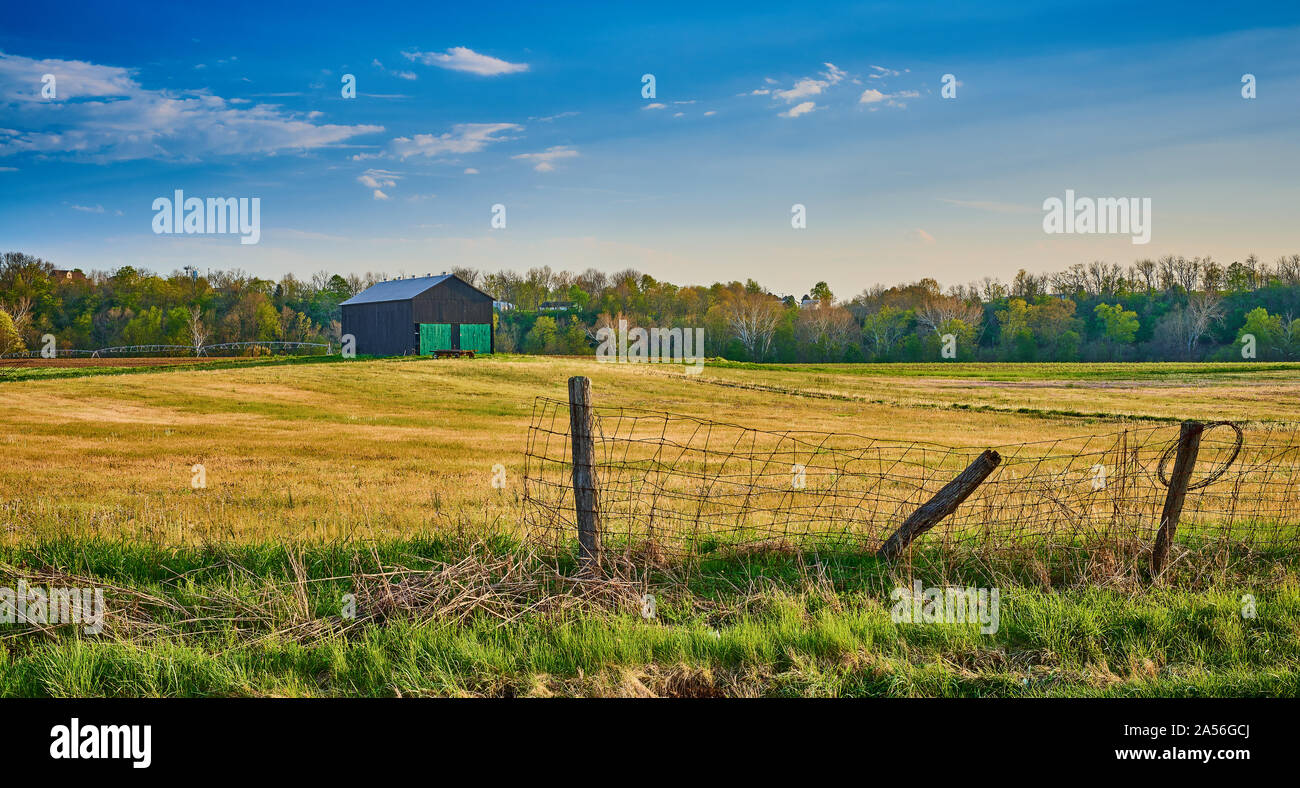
x=1170 y=308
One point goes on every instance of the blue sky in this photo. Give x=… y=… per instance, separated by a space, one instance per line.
x=539 y=107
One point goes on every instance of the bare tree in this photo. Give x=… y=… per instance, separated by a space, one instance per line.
x=1194 y=319
x=1287 y=268
x=884 y=328
x=469 y=275
x=831 y=326
x=1165 y=275
x=1028 y=286
x=1146 y=273
x=198 y=331
x=1103 y=278
x=752 y=318
x=991 y=289
x=1187 y=273
x=1212 y=277
x=936 y=313
x=592 y=281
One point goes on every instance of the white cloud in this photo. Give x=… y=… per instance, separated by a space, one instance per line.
x=89 y=208
x=550 y=118
x=655 y=105
x=378 y=179
x=103 y=114
x=873 y=96
x=808 y=86
x=471 y=171
x=922 y=236
x=803 y=89
x=833 y=74
x=463 y=138
x=466 y=59
x=545 y=160
x=799 y=109
x=710 y=112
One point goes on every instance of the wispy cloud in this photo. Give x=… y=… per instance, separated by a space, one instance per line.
x=463 y=138
x=466 y=59
x=398 y=74
x=555 y=117
x=873 y=96
x=103 y=114
x=991 y=206
x=378 y=180
x=545 y=161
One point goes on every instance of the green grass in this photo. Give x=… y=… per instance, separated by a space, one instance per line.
x=773 y=625
x=1062 y=371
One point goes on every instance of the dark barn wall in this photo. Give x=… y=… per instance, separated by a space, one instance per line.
x=381 y=329
x=453 y=301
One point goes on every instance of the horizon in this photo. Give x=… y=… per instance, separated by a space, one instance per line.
x=544 y=113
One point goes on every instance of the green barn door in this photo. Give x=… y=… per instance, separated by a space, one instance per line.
x=476 y=337
x=434 y=336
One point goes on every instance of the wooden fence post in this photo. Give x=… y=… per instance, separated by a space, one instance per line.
x=586 y=493
x=1189 y=445
x=944 y=503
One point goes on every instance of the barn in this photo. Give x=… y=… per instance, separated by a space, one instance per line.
x=401 y=317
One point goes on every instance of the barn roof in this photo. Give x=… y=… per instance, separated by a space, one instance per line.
x=397 y=289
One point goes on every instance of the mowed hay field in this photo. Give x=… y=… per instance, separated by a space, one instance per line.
x=399 y=448
x=373 y=479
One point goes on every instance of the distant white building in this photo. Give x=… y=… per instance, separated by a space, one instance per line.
x=502 y=306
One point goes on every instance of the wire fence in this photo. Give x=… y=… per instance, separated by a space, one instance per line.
x=221 y=349
x=672 y=486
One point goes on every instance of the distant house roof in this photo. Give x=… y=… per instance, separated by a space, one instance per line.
x=556 y=305
x=401 y=289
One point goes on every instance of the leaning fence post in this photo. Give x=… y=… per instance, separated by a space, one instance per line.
x=944 y=503
x=586 y=493
x=1189 y=445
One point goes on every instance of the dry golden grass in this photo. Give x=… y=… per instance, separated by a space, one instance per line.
x=405 y=447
